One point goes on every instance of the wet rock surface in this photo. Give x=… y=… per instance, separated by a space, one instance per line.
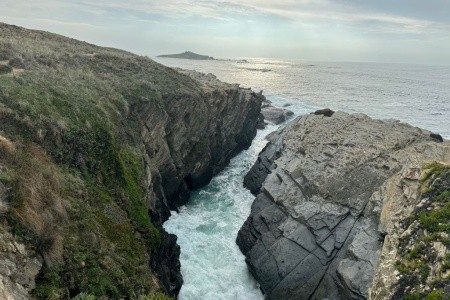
x=314 y=230
x=276 y=115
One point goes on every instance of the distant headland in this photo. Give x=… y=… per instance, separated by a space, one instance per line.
x=188 y=55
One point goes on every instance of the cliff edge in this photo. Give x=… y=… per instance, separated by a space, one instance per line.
x=333 y=192
x=97 y=145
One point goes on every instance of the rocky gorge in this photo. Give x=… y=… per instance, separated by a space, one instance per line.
x=97 y=145
x=335 y=214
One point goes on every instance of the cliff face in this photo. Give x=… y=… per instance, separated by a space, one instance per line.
x=185 y=144
x=324 y=208
x=97 y=145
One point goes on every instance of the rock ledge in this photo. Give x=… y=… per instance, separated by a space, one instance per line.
x=315 y=230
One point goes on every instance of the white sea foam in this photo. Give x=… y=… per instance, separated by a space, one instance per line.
x=211 y=263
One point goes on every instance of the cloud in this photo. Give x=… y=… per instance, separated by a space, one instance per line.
x=350 y=13
x=316 y=25
x=306 y=11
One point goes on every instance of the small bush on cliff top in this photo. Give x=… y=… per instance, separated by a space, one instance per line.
x=4 y=69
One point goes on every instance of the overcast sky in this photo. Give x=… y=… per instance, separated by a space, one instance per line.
x=416 y=31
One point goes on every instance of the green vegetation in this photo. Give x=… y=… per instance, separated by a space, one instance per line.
x=155 y=296
x=70 y=146
x=84 y=296
x=433 y=219
x=434 y=295
x=5 y=69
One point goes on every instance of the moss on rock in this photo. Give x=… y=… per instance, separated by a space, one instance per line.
x=429 y=227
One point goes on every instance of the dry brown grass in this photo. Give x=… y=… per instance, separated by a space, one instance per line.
x=37 y=201
x=7 y=148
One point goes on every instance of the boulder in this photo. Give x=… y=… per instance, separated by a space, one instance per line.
x=276 y=115
x=326 y=112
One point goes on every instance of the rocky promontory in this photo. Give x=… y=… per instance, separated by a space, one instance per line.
x=97 y=145
x=335 y=194
x=188 y=55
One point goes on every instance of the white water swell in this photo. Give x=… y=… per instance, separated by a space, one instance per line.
x=211 y=263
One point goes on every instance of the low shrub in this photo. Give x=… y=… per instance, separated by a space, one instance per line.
x=4 y=69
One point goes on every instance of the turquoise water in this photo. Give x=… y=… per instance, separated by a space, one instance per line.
x=211 y=263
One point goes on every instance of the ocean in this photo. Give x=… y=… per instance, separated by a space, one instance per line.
x=416 y=94
x=211 y=263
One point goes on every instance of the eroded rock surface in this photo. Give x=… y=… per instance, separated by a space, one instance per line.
x=18 y=265
x=314 y=231
x=187 y=140
x=18 y=268
x=276 y=115
x=117 y=147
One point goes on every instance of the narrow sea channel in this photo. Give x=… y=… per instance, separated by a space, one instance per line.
x=211 y=263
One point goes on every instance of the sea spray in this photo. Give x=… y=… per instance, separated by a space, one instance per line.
x=211 y=263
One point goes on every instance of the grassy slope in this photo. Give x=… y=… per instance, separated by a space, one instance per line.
x=74 y=167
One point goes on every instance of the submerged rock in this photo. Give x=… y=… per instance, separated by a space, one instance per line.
x=314 y=231
x=274 y=114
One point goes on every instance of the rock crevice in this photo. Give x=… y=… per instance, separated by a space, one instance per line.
x=313 y=231
x=186 y=141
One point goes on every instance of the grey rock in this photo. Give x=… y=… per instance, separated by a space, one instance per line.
x=186 y=140
x=253 y=180
x=276 y=115
x=313 y=231
x=437 y=137
x=19 y=267
x=261 y=124
x=326 y=112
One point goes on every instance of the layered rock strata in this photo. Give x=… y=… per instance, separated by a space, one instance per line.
x=97 y=145
x=323 y=202
x=186 y=143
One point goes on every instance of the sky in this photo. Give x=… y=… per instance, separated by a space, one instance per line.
x=402 y=31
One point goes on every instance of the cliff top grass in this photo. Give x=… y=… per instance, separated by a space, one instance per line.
x=72 y=83
x=70 y=153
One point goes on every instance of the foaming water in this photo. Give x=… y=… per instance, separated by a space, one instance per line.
x=211 y=263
